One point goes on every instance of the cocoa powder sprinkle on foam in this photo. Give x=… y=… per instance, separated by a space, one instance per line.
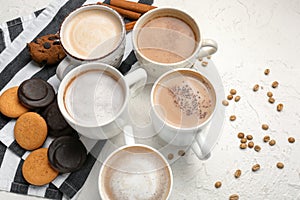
x=189 y=101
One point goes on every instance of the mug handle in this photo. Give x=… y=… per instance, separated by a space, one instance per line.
x=208 y=47
x=136 y=80
x=64 y=67
x=200 y=147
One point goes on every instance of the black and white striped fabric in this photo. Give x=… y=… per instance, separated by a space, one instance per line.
x=17 y=66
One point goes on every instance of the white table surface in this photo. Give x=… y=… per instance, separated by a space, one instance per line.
x=252 y=36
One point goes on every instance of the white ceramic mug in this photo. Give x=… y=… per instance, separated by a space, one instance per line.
x=184 y=131
x=203 y=47
x=72 y=24
x=135 y=171
x=93 y=98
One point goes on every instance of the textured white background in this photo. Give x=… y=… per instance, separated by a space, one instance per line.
x=252 y=36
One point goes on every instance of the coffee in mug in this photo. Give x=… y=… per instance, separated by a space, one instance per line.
x=94 y=97
x=91 y=34
x=135 y=172
x=184 y=99
x=166 y=39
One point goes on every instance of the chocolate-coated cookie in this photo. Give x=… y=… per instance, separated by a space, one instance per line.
x=46 y=50
x=57 y=125
x=35 y=93
x=67 y=154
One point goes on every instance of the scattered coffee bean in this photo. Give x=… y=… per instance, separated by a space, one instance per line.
x=181 y=152
x=266 y=138
x=53 y=38
x=241 y=135
x=229 y=97
x=265 y=126
x=234 y=197
x=225 y=103
x=218 y=184
x=208 y=57
x=271 y=100
x=272 y=142
x=237 y=98
x=243 y=140
x=257 y=148
x=269 y=94
x=267 y=71
x=255 y=87
x=250 y=144
x=204 y=63
x=249 y=137
x=233 y=91
x=200 y=59
x=243 y=145
x=232 y=117
x=255 y=167
x=237 y=173
x=275 y=84
x=280 y=165
x=291 y=140
x=279 y=107
x=170 y=156
x=47 y=45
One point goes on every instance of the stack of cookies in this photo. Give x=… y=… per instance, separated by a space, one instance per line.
x=33 y=104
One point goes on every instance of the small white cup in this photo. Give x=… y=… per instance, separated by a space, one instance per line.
x=135 y=171
x=204 y=47
x=114 y=126
x=184 y=136
x=113 y=57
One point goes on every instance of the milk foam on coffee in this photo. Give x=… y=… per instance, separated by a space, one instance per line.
x=136 y=173
x=166 y=39
x=184 y=99
x=94 y=97
x=92 y=34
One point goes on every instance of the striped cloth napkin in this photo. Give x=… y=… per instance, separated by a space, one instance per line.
x=17 y=66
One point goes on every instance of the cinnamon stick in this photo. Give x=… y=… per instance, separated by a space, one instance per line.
x=129 y=26
x=133 y=6
x=125 y=13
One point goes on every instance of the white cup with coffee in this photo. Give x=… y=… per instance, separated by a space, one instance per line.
x=93 y=98
x=183 y=103
x=91 y=33
x=169 y=38
x=135 y=171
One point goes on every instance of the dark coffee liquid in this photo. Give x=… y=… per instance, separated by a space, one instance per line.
x=166 y=40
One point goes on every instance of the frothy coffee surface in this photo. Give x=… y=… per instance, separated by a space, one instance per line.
x=184 y=99
x=136 y=173
x=94 y=97
x=92 y=34
x=166 y=40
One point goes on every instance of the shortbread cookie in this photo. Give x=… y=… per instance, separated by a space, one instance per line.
x=10 y=105
x=36 y=168
x=35 y=93
x=30 y=131
x=46 y=50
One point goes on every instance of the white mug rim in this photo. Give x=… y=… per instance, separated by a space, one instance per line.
x=135 y=145
x=166 y=122
x=137 y=27
x=89 y=7
x=84 y=68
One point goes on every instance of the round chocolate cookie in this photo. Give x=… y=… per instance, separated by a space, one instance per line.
x=35 y=93
x=57 y=125
x=67 y=154
x=46 y=50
